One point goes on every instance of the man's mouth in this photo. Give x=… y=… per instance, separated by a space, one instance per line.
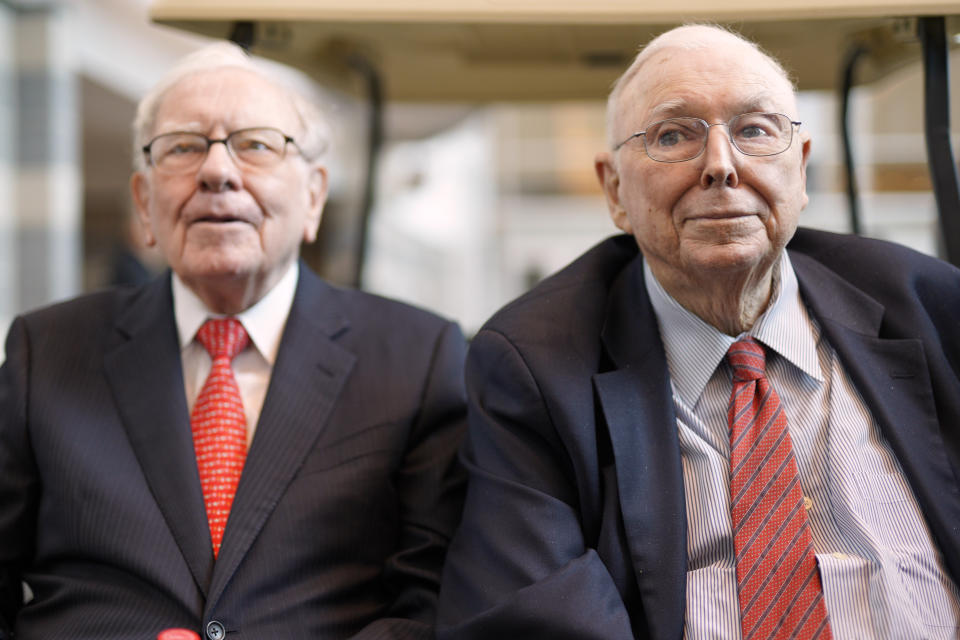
x=723 y=215
x=218 y=219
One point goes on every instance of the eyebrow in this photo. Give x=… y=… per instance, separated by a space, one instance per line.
x=676 y=107
x=179 y=126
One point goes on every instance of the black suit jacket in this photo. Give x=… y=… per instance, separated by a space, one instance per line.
x=575 y=525
x=344 y=509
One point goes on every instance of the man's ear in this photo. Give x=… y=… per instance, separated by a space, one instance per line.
x=140 y=190
x=609 y=177
x=317 y=187
x=804 y=158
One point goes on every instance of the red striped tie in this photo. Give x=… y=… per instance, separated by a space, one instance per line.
x=219 y=424
x=777 y=578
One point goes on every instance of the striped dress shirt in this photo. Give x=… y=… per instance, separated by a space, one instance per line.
x=883 y=576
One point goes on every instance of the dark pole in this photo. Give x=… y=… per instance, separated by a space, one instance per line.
x=943 y=168
x=374 y=87
x=846 y=85
x=243 y=34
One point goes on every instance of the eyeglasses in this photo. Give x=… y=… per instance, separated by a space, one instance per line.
x=680 y=139
x=184 y=151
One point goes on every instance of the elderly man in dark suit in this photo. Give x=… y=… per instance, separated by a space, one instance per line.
x=715 y=425
x=237 y=449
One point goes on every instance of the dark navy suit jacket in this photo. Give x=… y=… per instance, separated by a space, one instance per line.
x=575 y=526
x=343 y=513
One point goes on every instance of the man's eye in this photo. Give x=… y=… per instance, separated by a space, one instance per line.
x=752 y=131
x=254 y=145
x=671 y=137
x=184 y=148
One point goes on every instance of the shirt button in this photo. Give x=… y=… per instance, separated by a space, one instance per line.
x=807 y=503
x=215 y=631
x=840 y=556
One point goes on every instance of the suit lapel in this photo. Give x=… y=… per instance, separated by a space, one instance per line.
x=146 y=377
x=307 y=378
x=893 y=377
x=635 y=398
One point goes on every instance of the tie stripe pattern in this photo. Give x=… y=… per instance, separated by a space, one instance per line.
x=219 y=424
x=777 y=578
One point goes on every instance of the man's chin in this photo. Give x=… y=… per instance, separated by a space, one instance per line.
x=219 y=269
x=730 y=258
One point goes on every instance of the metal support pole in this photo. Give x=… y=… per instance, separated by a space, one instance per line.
x=943 y=168
x=374 y=86
x=846 y=86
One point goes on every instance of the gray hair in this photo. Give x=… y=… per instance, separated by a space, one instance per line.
x=219 y=55
x=695 y=36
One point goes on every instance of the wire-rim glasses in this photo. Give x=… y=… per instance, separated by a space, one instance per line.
x=681 y=139
x=185 y=151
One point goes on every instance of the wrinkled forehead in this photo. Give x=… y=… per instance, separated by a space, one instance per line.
x=722 y=77
x=233 y=97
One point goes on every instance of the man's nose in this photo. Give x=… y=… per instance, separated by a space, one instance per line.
x=219 y=171
x=719 y=166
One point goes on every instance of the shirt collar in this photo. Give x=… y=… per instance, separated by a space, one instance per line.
x=694 y=349
x=264 y=321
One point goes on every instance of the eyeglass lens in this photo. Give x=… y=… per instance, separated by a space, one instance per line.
x=176 y=152
x=754 y=134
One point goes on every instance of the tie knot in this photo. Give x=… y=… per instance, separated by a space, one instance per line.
x=747 y=359
x=223 y=337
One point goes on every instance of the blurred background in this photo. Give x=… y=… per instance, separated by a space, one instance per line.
x=452 y=191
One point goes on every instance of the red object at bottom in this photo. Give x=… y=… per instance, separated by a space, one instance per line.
x=177 y=634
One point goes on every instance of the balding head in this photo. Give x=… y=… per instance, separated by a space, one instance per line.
x=313 y=138
x=685 y=38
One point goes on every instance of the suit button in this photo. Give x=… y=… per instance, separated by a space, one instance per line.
x=215 y=631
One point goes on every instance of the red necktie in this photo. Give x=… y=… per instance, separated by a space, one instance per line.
x=219 y=424
x=777 y=577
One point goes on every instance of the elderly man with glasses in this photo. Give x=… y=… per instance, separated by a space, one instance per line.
x=237 y=449
x=716 y=425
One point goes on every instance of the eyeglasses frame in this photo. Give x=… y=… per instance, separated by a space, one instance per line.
x=212 y=141
x=793 y=123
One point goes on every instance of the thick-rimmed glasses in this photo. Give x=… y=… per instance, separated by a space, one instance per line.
x=185 y=151
x=680 y=139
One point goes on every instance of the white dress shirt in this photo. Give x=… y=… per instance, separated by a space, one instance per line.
x=264 y=323
x=882 y=575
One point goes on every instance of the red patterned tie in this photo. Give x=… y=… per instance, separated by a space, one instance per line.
x=777 y=577
x=219 y=424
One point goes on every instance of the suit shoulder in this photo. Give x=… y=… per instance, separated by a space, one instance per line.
x=876 y=264
x=65 y=334
x=840 y=249
x=379 y=322
x=920 y=295
x=80 y=313
x=389 y=310
x=318 y=296
x=577 y=291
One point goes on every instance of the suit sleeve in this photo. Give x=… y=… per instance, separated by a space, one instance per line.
x=19 y=484
x=520 y=565
x=430 y=487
